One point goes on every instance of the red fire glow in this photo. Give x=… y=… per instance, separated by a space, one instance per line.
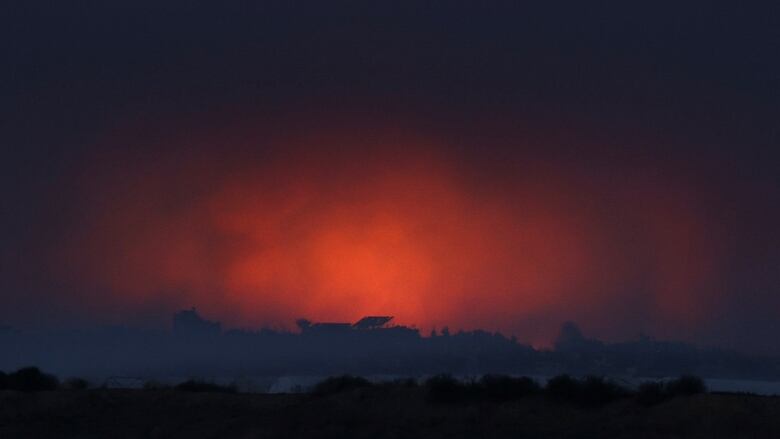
x=332 y=226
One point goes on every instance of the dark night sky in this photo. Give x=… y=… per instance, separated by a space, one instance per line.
x=612 y=164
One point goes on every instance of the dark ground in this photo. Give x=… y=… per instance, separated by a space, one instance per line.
x=371 y=413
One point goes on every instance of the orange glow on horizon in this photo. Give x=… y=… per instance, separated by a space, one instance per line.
x=363 y=226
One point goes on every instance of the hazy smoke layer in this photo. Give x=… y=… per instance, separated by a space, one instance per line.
x=261 y=222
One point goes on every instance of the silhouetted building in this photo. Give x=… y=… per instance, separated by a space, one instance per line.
x=367 y=323
x=189 y=322
x=372 y=322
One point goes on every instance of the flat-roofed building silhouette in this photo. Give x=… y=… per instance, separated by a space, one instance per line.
x=372 y=322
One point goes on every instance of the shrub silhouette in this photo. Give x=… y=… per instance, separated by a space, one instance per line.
x=444 y=388
x=596 y=391
x=76 y=384
x=155 y=385
x=203 y=386
x=651 y=393
x=3 y=379
x=592 y=391
x=685 y=385
x=563 y=388
x=400 y=382
x=339 y=384
x=506 y=388
x=31 y=379
x=654 y=392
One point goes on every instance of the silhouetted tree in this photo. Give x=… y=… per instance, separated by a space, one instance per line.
x=505 y=388
x=686 y=385
x=401 y=382
x=446 y=388
x=651 y=393
x=155 y=385
x=76 y=384
x=595 y=391
x=563 y=388
x=31 y=379
x=339 y=384
x=590 y=391
x=203 y=386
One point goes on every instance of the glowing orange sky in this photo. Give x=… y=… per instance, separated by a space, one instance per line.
x=332 y=225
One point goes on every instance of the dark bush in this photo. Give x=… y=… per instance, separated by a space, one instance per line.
x=155 y=385
x=31 y=379
x=3 y=379
x=651 y=393
x=563 y=388
x=76 y=384
x=444 y=388
x=596 y=391
x=654 y=392
x=592 y=391
x=685 y=385
x=339 y=384
x=506 y=388
x=401 y=382
x=203 y=386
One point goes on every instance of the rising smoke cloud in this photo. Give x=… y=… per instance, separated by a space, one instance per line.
x=263 y=221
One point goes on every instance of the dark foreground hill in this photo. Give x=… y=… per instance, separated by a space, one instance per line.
x=373 y=412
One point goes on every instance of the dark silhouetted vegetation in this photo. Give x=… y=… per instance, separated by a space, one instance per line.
x=30 y=379
x=655 y=392
x=447 y=389
x=589 y=391
x=75 y=384
x=686 y=385
x=563 y=388
x=387 y=410
x=651 y=393
x=443 y=406
x=506 y=388
x=204 y=386
x=599 y=391
x=339 y=384
x=401 y=383
x=155 y=385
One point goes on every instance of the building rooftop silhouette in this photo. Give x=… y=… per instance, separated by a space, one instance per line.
x=365 y=324
x=372 y=322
